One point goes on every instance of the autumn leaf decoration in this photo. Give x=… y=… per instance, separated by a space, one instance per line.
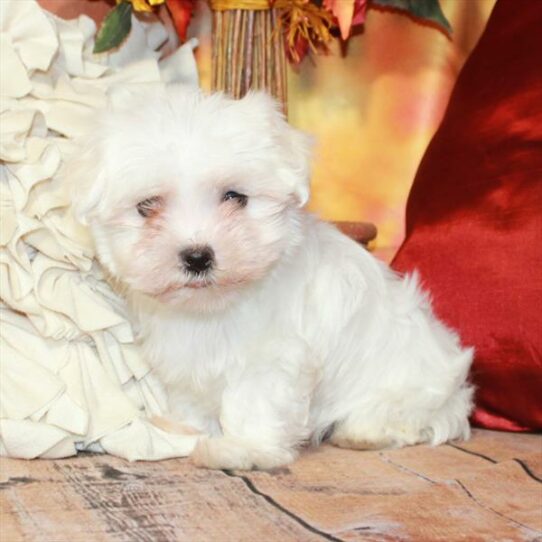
x=118 y=22
x=424 y=11
x=115 y=28
x=181 y=12
x=348 y=13
x=305 y=24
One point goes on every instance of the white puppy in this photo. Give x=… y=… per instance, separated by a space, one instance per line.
x=268 y=327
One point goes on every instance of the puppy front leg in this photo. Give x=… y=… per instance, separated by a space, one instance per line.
x=264 y=417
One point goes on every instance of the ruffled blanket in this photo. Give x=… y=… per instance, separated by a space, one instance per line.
x=71 y=377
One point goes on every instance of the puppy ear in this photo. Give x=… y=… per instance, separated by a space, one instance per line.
x=295 y=147
x=83 y=174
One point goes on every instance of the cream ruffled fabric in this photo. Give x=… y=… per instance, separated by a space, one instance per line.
x=71 y=377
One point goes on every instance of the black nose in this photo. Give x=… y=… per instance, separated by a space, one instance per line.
x=198 y=259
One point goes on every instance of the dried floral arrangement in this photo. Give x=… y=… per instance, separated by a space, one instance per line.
x=254 y=39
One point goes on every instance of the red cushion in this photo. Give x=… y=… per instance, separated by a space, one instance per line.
x=474 y=217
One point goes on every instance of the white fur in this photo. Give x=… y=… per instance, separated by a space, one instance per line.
x=298 y=333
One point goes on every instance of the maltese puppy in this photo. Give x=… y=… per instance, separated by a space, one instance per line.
x=267 y=327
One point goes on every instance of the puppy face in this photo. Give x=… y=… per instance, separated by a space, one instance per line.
x=191 y=198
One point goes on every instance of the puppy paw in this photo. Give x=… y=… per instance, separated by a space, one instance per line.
x=233 y=454
x=363 y=438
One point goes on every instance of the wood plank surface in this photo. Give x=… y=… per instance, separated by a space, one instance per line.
x=487 y=489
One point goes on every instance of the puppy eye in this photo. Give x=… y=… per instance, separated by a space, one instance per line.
x=240 y=198
x=149 y=206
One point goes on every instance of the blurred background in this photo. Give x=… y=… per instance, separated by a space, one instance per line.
x=373 y=105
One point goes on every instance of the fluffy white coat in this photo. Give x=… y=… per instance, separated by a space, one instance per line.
x=295 y=332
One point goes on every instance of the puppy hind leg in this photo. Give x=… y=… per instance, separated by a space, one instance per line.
x=348 y=434
x=354 y=432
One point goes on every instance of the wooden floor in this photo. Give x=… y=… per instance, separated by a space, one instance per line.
x=489 y=488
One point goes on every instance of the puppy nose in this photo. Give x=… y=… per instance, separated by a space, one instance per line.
x=198 y=259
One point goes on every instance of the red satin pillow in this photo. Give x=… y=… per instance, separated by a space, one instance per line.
x=474 y=217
